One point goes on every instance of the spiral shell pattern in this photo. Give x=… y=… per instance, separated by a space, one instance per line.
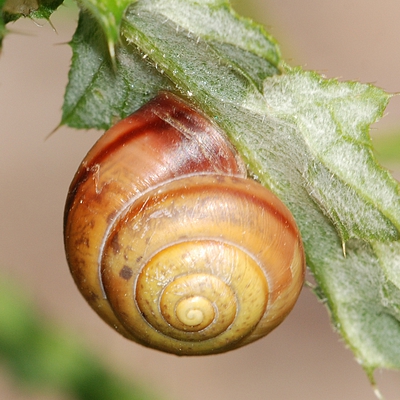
x=185 y=256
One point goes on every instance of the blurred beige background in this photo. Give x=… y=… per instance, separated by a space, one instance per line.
x=304 y=358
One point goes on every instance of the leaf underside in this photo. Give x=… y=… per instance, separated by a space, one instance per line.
x=303 y=136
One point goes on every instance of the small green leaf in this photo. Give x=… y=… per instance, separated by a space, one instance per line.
x=35 y=9
x=11 y=10
x=98 y=95
x=108 y=14
x=3 y=29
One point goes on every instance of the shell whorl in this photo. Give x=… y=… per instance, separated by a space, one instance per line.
x=171 y=244
x=217 y=255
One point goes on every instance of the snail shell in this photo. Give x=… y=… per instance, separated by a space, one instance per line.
x=171 y=244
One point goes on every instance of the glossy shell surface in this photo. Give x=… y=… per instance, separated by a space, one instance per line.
x=171 y=244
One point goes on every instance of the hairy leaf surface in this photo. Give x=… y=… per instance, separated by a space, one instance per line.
x=303 y=136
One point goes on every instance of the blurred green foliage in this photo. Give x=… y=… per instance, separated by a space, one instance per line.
x=41 y=355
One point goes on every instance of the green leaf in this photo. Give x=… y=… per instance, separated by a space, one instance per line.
x=11 y=10
x=35 y=9
x=3 y=29
x=108 y=14
x=303 y=136
x=97 y=94
x=342 y=177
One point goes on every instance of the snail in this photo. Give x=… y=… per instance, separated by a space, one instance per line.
x=171 y=243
